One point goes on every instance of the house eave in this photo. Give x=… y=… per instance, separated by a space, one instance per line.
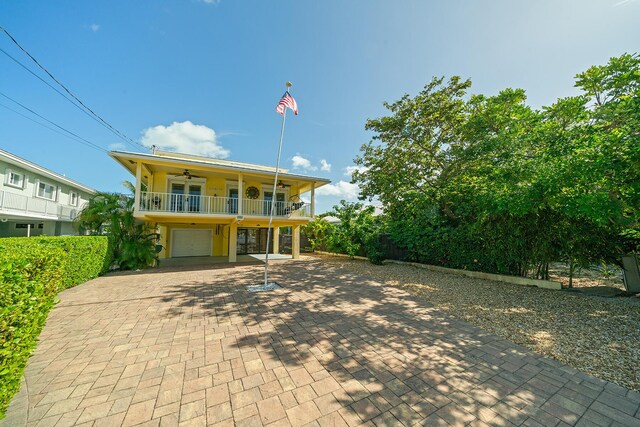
x=122 y=157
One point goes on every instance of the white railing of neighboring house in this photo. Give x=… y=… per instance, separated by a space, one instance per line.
x=25 y=205
x=194 y=204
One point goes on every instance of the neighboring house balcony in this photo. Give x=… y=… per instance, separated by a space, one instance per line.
x=32 y=207
x=172 y=203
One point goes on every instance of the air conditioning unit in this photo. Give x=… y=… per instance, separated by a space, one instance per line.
x=631 y=267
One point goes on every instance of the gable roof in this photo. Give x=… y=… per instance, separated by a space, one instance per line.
x=32 y=167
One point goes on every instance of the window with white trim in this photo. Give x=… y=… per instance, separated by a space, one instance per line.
x=46 y=191
x=14 y=179
x=73 y=198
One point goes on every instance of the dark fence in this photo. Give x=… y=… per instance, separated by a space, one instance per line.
x=392 y=251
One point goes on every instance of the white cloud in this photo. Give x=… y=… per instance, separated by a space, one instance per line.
x=349 y=170
x=116 y=146
x=301 y=163
x=211 y=1
x=325 y=166
x=342 y=189
x=185 y=137
x=92 y=27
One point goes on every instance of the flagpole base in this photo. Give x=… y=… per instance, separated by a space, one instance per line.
x=263 y=287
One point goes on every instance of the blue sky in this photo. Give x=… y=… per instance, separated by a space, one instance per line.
x=217 y=69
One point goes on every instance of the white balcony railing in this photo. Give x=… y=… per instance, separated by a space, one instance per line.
x=194 y=204
x=24 y=205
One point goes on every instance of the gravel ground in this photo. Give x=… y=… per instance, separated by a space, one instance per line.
x=599 y=336
x=610 y=276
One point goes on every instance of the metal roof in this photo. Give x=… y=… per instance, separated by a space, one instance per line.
x=26 y=164
x=230 y=166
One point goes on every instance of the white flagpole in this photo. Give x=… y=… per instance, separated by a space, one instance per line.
x=273 y=195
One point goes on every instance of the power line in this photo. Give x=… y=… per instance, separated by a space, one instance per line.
x=51 y=86
x=52 y=129
x=89 y=110
x=75 y=136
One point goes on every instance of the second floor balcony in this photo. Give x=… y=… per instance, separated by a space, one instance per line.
x=19 y=204
x=215 y=205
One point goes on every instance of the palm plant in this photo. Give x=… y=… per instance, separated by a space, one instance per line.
x=111 y=214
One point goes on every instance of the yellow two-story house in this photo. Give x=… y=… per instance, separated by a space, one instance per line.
x=210 y=207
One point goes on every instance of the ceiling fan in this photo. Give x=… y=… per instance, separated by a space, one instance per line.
x=188 y=175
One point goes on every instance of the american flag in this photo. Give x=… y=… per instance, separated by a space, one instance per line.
x=287 y=101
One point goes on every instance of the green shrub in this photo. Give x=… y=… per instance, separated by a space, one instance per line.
x=374 y=248
x=32 y=271
x=88 y=256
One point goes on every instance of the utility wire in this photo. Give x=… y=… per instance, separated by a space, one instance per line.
x=50 y=85
x=76 y=136
x=52 y=129
x=93 y=113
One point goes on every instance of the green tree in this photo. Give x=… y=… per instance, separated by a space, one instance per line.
x=487 y=182
x=411 y=148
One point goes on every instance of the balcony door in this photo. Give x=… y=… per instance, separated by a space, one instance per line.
x=280 y=203
x=186 y=196
x=233 y=201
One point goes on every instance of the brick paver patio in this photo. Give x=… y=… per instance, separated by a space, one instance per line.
x=330 y=349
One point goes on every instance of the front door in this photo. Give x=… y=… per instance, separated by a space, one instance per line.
x=243 y=236
x=252 y=241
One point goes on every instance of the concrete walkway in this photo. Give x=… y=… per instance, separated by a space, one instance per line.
x=331 y=348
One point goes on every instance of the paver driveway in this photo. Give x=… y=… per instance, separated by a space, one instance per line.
x=330 y=348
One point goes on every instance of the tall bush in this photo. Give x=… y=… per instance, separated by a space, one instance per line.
x=358 y=231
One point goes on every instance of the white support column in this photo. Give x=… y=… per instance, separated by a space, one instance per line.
x=313 y=200
x=233 y=242
x=240 y=194
x=295 y=242
x=276 y=239
x=136 y=197
x=149 y=175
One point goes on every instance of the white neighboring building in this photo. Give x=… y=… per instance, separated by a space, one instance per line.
x=37 y=201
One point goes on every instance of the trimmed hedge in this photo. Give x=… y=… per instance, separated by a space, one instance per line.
x=32 y=272
x=87 y=257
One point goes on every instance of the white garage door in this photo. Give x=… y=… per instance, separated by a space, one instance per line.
x=191 y=242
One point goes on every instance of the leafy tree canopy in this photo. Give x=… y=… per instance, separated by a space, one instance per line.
x=497 y=177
